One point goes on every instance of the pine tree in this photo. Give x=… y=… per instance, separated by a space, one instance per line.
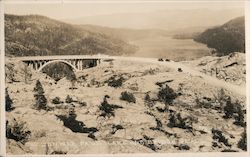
x=8 y=102
x=41 y=101
x=72 y=78
x=240 y=116
x=68 y=99
x=242 y=144
x=229 y=109
x=38 y=88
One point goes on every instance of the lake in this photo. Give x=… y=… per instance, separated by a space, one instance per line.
x=167 y=47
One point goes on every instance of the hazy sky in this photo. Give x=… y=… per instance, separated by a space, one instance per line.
x=68 y=10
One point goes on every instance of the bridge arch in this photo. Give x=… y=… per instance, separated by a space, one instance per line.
x=57 y=61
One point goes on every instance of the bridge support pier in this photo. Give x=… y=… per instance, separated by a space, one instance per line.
x=80 y=65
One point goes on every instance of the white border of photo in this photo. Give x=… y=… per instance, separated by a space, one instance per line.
x=189 y=154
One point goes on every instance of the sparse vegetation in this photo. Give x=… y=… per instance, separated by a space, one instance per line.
x=82 y=103
x=148 y=101
x=229 y=109
x=127 y=96
x=41 y=101
x=147 y=142
x=175 y=120
x=167 y=95
x=92 y=136
x=219 y=137
x=115 y=128
x=234 y=110
x=158 y=123
x=115 y=81
x=8 y=102
x=182 y=147
x=204 y=102
x=107 y=110
x=242 y=144
x=56 y=100
x=224 y=104
x=221 y=97
x=240 y=116
x=74 y=125
x=69 y=99
x=150 y=71
x=180 y=70
x=17 y=131
x=159 y=126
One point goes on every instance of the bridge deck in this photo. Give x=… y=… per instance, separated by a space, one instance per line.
x=61 y=57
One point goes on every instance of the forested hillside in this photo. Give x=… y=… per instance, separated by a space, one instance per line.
x=38 y=35
x=227 y=38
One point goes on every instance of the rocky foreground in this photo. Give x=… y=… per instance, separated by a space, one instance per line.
x=123 y=107
x=230 y=68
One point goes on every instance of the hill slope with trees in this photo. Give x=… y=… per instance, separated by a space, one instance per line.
x=38 y=35
x=228 y=38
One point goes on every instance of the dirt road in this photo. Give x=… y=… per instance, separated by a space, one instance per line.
x=240 y=90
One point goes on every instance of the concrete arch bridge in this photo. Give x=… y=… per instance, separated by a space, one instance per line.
x=77 y=63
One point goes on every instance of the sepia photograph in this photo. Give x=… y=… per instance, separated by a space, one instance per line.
x=124 y=77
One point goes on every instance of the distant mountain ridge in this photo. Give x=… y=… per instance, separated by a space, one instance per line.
x=167 y=19
x=126 y=33
x=33 y=35
x=227 y=38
